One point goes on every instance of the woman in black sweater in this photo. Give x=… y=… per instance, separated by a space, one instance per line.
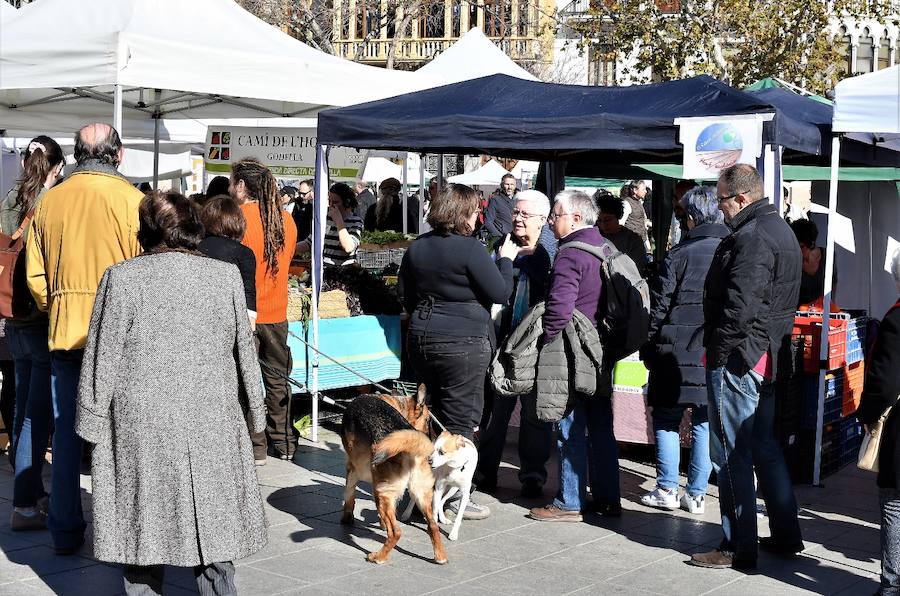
x=449 y=282
x=880 y=391
x=225 y=225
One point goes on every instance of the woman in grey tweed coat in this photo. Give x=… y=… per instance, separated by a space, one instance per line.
x=173 y=477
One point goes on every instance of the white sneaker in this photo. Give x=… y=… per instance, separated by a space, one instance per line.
x=695 y=505
x=661 y=498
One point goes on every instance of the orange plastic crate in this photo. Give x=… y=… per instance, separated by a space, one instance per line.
x=854 y=376
x=809 y=328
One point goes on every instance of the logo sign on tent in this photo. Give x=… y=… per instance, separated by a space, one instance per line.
x=712 y=144
x=287 y=152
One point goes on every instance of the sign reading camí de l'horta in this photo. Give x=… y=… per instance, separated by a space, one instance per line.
x=287 y=152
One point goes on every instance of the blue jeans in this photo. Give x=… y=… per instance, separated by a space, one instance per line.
x=890 y=541
x=535 y=441
x=66 y=521
x=28 y=347
x=666 y=421
x=741 y=417
x=594 y=415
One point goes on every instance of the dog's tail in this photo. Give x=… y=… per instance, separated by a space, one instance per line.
x=411 y=442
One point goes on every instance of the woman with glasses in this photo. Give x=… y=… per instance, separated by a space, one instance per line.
x=449 y=283
x=531 y=278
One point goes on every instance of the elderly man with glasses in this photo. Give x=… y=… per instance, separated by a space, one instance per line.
x=303 y=208
x=749 y=302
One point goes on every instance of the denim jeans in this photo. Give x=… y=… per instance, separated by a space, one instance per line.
x=453 y=369
x=890 y=541
x=535 y=441
x=66 y=521
x=28 y=346
x=594 y=416
x=666 y=421
x=741 y=417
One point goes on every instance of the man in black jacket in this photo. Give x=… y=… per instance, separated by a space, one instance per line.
x=498 y=215
x=749 y=302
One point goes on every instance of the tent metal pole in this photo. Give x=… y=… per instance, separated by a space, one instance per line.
x=421 y=192
x=440 y=170
x=156 y=154
x=117 y=109
x=405 y=198
x=826 y=306
x=320 y=206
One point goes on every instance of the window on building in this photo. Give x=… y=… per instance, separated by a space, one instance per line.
x=497 y=18
x=865 y=58
x=523 y=18
x=431 y=19
x=368 y=18
x=344 y=17
x=601 y=69
x=884 y=53
x=456 y=9
x=844 y=67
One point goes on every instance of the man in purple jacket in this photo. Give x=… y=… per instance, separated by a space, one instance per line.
x=575 y=284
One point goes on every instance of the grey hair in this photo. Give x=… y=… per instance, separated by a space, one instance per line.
x=575 y=201
x=536 y=198
x=701 y=204
x=742 y=179
x=895 y=267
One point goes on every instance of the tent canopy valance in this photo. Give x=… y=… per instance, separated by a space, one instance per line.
x=503 y=115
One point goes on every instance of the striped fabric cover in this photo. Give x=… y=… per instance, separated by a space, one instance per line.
x=367 y=344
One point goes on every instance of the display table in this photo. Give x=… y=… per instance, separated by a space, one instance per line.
x=631 y=421
x=370 y=345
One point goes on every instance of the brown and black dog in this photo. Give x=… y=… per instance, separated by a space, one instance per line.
x=386 y=445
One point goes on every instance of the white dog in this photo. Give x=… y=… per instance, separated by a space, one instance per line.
x=453 y=462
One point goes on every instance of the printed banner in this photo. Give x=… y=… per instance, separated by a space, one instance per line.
x=287 y=152
x=712 y=144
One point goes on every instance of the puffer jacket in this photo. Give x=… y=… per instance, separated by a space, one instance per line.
x=751 y=292
x=677 y=374
x=520 y=366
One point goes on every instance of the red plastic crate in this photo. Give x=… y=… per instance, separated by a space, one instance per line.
x=809 y=328
x=854 y=375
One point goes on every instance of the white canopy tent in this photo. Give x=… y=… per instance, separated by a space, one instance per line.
x=488 y=174
x=148 y=62
x=164 y=59
x=7 y=11
x=868 y=105
x=381 y=168
x=472 y=56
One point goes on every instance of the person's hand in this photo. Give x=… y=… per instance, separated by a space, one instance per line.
x=509 y=249
x=866 y=428
x=336 y=216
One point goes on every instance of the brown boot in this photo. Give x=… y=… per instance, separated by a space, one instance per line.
x=552 y=513
x=717 y=559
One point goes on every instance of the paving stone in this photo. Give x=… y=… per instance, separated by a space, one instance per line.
x=312 y=565
x=672 y=575
x=532 y=578
x=96 y=580
x=263 y=583
x=22 y=588
x=386 y=580
x=37 y=561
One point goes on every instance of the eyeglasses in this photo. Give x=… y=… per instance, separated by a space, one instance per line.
x=523 y=214
x=723 y=199
x=556 y=216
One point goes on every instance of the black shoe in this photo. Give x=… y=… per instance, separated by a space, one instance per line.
x=532 y=490
x=487 y=486
x=69 y=550
x=770 y=545
x=607 y=510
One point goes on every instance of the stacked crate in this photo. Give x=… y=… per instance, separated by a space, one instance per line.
x=841 y=432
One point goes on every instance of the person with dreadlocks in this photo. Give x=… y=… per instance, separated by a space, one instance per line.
x=271 y=234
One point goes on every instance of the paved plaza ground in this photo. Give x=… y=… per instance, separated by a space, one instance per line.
x=643 y=552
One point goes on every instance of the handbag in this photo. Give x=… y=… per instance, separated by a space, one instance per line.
x=871 y=443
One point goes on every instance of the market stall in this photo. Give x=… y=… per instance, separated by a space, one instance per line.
x=581 y=130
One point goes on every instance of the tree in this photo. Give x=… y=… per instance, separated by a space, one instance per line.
x=737 y=41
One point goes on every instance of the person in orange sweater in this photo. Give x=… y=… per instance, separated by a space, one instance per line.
x=271 y=235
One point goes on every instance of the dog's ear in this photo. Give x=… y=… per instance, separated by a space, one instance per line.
x=421 y=393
